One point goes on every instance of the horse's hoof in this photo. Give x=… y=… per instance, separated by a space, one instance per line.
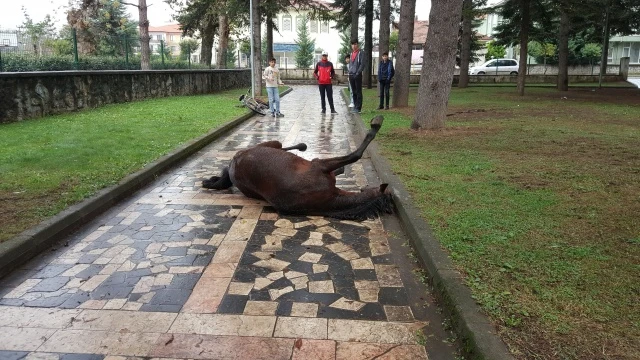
x=376 y=122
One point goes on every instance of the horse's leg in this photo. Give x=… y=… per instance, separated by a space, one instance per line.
x=218 y=182
x=301 y=147
x=278 y=145
x=331 y=164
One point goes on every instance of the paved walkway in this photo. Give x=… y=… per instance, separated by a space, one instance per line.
x=635 y=81
x=181 y=272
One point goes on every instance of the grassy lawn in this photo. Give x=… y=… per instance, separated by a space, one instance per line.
x=537 y=201
x=50 y=163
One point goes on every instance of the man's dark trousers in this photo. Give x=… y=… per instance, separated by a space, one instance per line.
x=328 y=88
x=384 y=86
x=356 y=87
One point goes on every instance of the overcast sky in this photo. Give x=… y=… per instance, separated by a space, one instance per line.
x=159 y=13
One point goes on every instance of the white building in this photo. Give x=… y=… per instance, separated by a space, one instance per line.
x=284 y=42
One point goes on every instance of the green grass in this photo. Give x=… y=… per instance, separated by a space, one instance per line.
x=50 y=163
x=535 y=198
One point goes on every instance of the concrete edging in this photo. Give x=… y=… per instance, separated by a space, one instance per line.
x=479 y=337
x=31 y=242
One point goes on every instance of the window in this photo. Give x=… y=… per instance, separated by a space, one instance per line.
x=5 y=42
x=416 y=47
x=324 y=27
x=314 y=26
x=299 y=21
x=610 y=55
x=286 y=23
x=491 y=63
x=172 y=37
x=626 y=50
x=158 y=37
x=284 y=61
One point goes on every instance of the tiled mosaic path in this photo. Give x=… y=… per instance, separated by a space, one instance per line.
x=183 y=272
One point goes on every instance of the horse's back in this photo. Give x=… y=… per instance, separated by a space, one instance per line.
x=280 y=177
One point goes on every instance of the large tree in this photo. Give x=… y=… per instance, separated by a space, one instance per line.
x=368 y=43
x=385 y=26
x=468 y=43
x=306 y=45
x=403 y=58
x=465 y=40
x=79 y=17
x=113 y=25
x=38 y=32
x=438 y=65
x=524 y=41
x=257 y=54
x=198 y=19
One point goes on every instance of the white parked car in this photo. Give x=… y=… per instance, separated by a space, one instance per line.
x=496 y=67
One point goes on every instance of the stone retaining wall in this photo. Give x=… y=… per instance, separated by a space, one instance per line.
x=35 y=94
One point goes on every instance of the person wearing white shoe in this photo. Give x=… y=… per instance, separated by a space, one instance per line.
x=271 y=75
x=347 y=58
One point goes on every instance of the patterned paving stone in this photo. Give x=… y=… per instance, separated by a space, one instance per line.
x=179 y=271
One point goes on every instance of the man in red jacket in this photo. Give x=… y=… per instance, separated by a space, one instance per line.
x=324 y=72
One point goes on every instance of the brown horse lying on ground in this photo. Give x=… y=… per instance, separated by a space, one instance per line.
x=295 y=186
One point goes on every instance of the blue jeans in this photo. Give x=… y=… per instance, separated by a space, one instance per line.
x=274 y=99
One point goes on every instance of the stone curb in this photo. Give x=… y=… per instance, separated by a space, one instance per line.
x=31 y=242
x=479 y=337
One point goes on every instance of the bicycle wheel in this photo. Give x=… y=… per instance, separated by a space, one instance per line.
x=256 y=107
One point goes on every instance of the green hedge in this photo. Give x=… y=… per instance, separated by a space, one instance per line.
x=21 y=63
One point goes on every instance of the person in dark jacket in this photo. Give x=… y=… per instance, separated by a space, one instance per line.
x=356 y=67
x=385 y=74
x=324 y=72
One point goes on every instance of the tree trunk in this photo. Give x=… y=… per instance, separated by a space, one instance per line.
x=605 y=44
x=355 y=17
x=465 y=48
x=257 y=53
x=206 y=48
x=368 y=42
x=145 y=53
x=403 y=60
x=270 y=38
x=563 y=50
x=223 y=41
x=524 y=40
x=438 y=64
x=384 y=32
x=79 y=19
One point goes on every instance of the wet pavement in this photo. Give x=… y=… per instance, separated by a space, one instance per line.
x=178 y=271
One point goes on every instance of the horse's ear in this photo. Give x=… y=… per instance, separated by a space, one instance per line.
x=383 y=187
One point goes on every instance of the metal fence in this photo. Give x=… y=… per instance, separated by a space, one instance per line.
x=19 y=51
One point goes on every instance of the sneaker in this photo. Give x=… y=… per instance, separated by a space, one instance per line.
x=354 y=111
x=380 y=107
x=280 y=115
x=323 y=111
x=334 y=112
x=386 y=107
x=273 y=114
x=351 y=105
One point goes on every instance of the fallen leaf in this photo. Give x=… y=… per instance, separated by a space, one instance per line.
x=298 y=344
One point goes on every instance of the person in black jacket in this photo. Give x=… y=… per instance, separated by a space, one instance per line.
x=325 y=73
x=385 y=74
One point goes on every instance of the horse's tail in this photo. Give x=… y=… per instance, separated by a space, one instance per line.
x=367 y=204
x=369 y=209
x=218 y=182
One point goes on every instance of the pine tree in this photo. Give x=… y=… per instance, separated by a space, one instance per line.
x=306 y=46
x=345 y=45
